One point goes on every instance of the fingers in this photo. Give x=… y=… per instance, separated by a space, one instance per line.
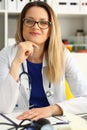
x=35 y=46
x=31 y=44
x=28 y=47
x=25 y=49
x=35 y=114
x=30 y=114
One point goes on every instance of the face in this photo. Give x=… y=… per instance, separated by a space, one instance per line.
x=35 y=33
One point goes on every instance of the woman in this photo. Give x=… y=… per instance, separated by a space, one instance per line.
x=33 y=71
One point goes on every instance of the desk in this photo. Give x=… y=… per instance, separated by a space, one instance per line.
x=76 y=122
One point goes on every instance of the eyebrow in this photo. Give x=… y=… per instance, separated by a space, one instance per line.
x=35 y=19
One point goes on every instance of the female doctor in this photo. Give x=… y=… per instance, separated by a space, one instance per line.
x=33 y=71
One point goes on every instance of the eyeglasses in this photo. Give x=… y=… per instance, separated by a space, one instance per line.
x=41 y=24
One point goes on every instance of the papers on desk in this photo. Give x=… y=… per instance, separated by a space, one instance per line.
x=9 y=122
x=58 y=120
x=84 y=116
x=11 y=119
x=60 y=123
x=55 y=120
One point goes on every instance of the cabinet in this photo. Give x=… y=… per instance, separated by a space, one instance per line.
x=9 y=11
x=70 y=18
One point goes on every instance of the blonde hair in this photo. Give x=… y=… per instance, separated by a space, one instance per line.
x=54 y=49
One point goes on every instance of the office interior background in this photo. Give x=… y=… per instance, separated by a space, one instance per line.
x=72 y=16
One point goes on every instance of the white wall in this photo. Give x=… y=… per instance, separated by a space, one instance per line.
x=81 y=60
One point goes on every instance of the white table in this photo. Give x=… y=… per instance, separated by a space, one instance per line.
x=75 y=122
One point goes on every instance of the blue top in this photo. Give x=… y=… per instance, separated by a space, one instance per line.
x=37 y=95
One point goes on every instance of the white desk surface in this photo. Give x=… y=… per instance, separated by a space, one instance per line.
x=76 y=122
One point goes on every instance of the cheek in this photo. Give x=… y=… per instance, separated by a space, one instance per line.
x=25 y=31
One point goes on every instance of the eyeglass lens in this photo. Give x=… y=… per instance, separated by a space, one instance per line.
x=42 y=24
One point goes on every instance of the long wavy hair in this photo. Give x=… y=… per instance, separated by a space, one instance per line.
x=54 y=48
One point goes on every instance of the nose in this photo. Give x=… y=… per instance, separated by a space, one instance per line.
x=36 y=25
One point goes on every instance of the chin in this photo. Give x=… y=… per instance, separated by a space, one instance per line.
x=35 y=41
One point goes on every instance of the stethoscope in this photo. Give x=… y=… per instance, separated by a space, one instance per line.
x=49 y=92
x=25 y=73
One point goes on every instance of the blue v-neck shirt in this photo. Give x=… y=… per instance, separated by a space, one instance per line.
x=37 y=95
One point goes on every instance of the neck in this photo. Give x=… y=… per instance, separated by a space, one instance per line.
x=37 y=56
x=35 y=59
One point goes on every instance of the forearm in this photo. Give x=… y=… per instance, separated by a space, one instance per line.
x=9 y=92
x=14 y=69
x=75 y=105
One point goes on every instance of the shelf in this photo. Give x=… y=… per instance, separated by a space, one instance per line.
x=13 y=12
x=69 y=22
x=2 y=11
x=71 y=15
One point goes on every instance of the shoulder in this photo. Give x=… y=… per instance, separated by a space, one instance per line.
x=9 y=49
x=67 y=54
x=69 y=60
x=8 y=52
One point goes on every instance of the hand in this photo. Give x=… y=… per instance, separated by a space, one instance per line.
x=37 y=113
x=24 y=50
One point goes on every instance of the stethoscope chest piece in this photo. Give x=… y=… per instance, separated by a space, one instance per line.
x=49 y=93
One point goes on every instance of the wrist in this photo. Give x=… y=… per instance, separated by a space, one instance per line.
x=14 y=70
x=56 y=110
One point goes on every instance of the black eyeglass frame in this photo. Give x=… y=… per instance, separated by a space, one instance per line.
x=36 y=22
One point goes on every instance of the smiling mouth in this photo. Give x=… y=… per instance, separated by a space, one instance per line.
x=34 y=33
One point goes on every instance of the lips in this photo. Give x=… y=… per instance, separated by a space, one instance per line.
x=35 y=33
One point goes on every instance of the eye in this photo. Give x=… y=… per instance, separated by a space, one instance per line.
x=44 y=23
x=29 y=21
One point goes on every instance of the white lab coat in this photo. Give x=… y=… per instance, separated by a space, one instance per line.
x=15 y=96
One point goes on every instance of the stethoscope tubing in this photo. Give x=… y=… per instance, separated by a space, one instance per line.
x=48 y=93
